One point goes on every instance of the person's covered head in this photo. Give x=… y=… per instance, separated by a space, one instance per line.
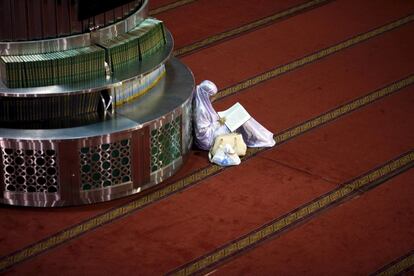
x=207 y=87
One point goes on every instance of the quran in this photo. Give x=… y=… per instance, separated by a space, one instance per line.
x=235 y=116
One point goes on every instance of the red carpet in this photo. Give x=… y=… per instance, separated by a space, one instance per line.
x=364 y=234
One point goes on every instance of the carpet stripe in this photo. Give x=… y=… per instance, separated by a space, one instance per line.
x=248 y=27
x=119 y=212
x=313 y=57
x=346 y=191
x=399 y=266
x=170 y=6
x=344 y=109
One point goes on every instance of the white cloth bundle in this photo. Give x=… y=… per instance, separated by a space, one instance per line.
x=225 y=156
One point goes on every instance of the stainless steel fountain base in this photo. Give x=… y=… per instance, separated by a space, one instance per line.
x=141 y=144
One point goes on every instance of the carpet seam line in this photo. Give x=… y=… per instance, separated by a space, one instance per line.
x=313 y=57
x=211 y=170
x=119 y=212
x=371 y=179
x=246 y=28
x=398 y=266
x=170 y=6
x=300 y=170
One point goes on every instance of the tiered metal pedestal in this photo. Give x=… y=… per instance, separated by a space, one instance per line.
x=136 y=146
x=140 y=145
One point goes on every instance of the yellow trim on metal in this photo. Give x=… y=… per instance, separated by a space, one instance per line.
x=143 y=92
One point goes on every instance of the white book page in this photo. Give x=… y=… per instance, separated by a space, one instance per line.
x=235 y=116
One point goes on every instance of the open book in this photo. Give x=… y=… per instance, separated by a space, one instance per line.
x=235 y=116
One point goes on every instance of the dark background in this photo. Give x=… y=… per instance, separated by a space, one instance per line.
x=89 y=8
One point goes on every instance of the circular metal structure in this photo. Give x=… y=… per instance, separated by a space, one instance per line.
x=57 y=25
x=130 y=72
x=107 y=149
x=141 y=144
x=73 y=40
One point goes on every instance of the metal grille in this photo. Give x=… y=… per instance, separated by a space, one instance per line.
x=105 y=165
x=30 y=171
x=165 y=144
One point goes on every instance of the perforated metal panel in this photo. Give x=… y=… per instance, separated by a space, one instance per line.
x=165 y=144
x=105 y=165
x=134 y=148
x=30 y=171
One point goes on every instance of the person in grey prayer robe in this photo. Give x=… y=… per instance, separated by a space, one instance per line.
x=208 y=125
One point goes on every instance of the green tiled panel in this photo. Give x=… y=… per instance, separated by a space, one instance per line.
x=165 y=144
x=105 y=165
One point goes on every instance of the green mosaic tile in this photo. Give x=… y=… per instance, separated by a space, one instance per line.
x=165 y=144
x=105 y=165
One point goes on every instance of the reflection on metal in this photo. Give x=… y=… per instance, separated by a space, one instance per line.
x=165 y=143
x=44 y=46
x=130 y=72
x=106 y=100
x=130 y=90
x=164 y=173
x=104 y=160
x=121 y=27
x=74 y=41
x=187 y=127
x=105 y=165
x=105 y=135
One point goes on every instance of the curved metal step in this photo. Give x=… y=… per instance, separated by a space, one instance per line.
x=138 y=146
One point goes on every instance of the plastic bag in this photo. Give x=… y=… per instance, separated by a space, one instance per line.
x=225 y=155
x=234 y=139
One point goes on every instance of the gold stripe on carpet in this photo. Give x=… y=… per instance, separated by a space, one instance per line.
x=93 y=223
x=338 y=195
x=344 y=109
x=116 y=213
x=248 y=27
x=170 y=6
x=402 y=265
x=313 y=57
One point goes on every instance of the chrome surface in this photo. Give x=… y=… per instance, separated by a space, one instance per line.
x=166 y=101
x=170 y=93
x=74 y=41
x=45 y=45
x=167 y=96
x=164 y=173
x=130 y=72
x=33 y=199
x=121 y=27
x=187 y=126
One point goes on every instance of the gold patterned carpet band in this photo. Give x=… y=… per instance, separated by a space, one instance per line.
x=352 y=188
x=95 y=222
